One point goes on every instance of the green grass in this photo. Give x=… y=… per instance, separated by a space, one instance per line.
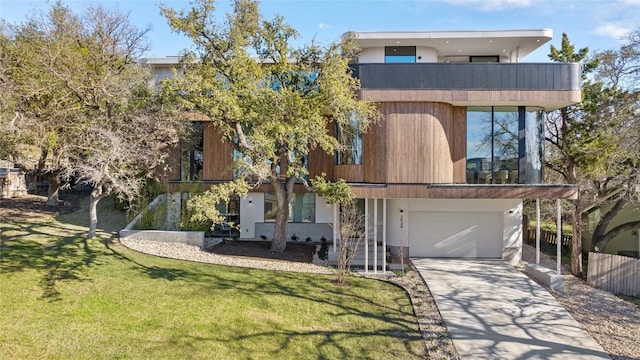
x=65 y=297
x=631 y=299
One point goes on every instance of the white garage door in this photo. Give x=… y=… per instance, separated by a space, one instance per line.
x=455 y=234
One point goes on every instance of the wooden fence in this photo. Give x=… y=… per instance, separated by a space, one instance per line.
x=547 y=237
x=614 y=273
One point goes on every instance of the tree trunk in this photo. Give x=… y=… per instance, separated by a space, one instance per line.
x=97 y=194
x=54 y=188
x=279 y=243
x=603 y=240
x=283 y=190
x=576 y=241
x=599 y=240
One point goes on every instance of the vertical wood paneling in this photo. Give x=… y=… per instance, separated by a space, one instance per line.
x=350 y=173
x=218 y=155
x=321 y=162
x=374 y=152
x=418 y=142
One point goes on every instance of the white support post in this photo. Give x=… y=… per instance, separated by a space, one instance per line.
x=559 y=239
x=335 y=226
x=537 y=231
x=366 y=235
x=384 y=235
x=375 y=235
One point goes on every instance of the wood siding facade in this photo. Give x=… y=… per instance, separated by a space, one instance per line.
x=416 y=150
x=217 y=154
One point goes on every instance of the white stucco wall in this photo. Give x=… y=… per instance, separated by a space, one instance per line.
x=512 y=234
x=425 y=54
x=398 y=222
x=251 y=212
x=324 y=211
x=371 y=55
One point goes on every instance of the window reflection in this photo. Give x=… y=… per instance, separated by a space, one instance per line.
x=399 y=54
x=350 y=138
x=534 y=145
x=504 y=145
x=479 y=154
x=191 y=154
x=302 y=207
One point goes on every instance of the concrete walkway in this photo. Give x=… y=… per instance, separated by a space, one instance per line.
x=493 y=311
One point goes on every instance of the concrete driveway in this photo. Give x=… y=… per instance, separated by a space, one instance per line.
x=493 y=311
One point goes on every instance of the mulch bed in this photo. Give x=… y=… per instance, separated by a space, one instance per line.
x=262 y=249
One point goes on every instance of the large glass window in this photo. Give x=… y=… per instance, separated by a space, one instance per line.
x=504 y=145
x=302 y=207
x=479 y=151
x=191 y=155
x=350 y=138
x=399 y=54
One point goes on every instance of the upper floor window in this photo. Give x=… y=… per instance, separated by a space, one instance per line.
x=492 y=145
x=191 y=155
x=484 y=59
x=350 y=138
x=505 y=145
x=399 y=54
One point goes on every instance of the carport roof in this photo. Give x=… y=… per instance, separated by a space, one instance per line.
x=465 y=191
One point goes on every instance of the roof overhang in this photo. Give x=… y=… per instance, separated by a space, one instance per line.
x=465 y=191
x=518 y=43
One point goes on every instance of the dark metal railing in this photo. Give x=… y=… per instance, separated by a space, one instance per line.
x=469 y=76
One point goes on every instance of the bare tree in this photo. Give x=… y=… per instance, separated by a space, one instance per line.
x=117 y=158
x=352 y=234
x=87 y=112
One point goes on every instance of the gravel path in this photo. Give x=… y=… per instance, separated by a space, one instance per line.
x=614 y=323
x=193 y=253
x=611 y=321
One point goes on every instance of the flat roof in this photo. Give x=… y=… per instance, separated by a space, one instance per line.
x=460 y=42
x=167 y=60
x=449 y=43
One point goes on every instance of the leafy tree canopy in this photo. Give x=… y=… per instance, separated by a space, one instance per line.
x=274 y=102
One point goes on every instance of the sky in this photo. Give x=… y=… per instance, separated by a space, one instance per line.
x=597 y=24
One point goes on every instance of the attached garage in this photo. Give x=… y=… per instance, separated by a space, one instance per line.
x=456 y=234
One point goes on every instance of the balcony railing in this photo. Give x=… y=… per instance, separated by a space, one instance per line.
x=469 y=76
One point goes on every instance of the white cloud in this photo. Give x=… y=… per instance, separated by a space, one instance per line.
x=323 y=26
x=494 y=5
x=612 y=30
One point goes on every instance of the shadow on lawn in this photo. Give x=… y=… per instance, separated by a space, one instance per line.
x=61 y=252
x=57 y=247
x=39 y=246
x=345 y=302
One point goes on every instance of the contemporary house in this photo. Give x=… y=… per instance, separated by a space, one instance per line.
x=445 y=172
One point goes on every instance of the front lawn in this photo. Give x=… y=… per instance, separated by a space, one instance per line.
x=65 y=297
